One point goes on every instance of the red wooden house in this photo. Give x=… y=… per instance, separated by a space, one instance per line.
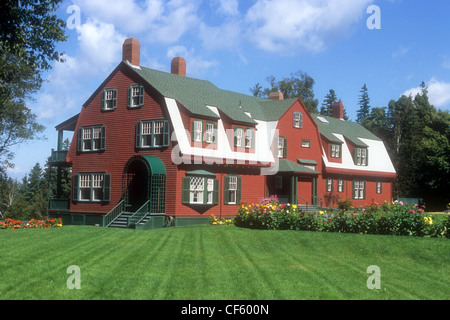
x=152 y=149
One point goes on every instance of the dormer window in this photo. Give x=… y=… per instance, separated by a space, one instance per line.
x=361 y=156
x=249 y=138
x=238 y=137
x=335 y=150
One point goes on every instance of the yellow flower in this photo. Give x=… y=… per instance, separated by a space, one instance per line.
x=321 y=212
x=294 y=206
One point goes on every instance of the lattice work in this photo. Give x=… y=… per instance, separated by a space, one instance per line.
x=158 y=194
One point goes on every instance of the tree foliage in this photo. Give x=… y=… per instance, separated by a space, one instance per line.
x=29 y=31
x=299 y=85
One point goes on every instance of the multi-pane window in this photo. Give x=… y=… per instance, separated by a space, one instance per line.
x=152 y=134
x=379 y=187
x=281 y=147
x=297 y=120
x=109 y=99
x=197 y=131
x=335 y=151
x=306 y=143
x=196 y=190
x=232 y=189
x=135 y=96
x=361 y=156
x=92 y=187
x=329 y=185
x=200 y=190
x=359 y=189
x=91 y=138
x=249 y=138
x=209 y=133
x=340 y=186
x=238 y=137
x=210 y=191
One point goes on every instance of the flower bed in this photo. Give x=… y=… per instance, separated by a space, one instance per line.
x=395 y=218
x=32 y=224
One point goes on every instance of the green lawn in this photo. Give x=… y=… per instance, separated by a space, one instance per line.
x=219 y=262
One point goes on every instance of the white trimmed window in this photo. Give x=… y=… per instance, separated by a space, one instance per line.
x=340 y=186
x=210 y=191
x=209 y=133
x=91 y=139
x=197 y=131
x=196 y=190
x=152 y=134
x=379 y=187
x=281 y=147
x=91 y=187
x=109 y=99
x=359 y=189
x=297 y=121
x=249 y=138
x=361 y=156
x=238 y=137
x=329 y=185
x=135 y=96
x=335 y=150
x=200 y=190
x=232 y=189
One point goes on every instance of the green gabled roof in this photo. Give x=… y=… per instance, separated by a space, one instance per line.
x=351 y=130
x=288 y=166
x=196 y=95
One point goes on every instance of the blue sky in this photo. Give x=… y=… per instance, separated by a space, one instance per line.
x=236 y=44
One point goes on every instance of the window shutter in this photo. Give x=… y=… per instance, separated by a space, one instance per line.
x=185 y=197
x=216 y=192
x=293 y=119
x=367 y=156
x=102 y=107
x=205 y=190
x=141 y=96
x=215 y=133
x=355 y=156
x=106 y=187
x=166 y=136
x=238 y=191
x=114 y=99
x=80 y=140
x=353 y=189
x=130 y=93
x=226 y=189
x=103 y=138
x=75 y=187
x=193 y=130
x=285 y=148
x=364 y=190
x=138 y=134
x=301 y=120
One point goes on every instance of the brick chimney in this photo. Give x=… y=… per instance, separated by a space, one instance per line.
x=131 y=51
x=338 y=110
x=178 y=66
x=276 y=96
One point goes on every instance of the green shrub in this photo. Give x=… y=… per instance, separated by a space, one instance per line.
x=394 y=218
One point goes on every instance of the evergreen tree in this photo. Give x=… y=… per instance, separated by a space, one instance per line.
x=327 y=105
x=364 y=106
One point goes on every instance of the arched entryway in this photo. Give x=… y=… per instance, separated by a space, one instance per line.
x=144 y=180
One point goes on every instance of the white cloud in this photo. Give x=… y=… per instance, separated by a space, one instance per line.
x=438 y=93
x=310 y=24
x=229 y=7
x=162 y=21
x=226 y=36
x=195 y=65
